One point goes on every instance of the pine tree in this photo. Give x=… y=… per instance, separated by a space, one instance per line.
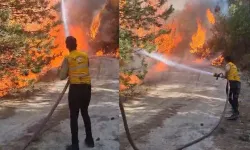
x=139 y=15
x=25 y=50
x=231 y=33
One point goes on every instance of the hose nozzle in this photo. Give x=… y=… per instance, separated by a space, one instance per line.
x=218 y=75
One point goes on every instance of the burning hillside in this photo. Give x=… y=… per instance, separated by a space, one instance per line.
x=192 y=23
x=190 y=26
x=80 y=27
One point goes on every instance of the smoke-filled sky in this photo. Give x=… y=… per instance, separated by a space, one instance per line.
x=180 y=4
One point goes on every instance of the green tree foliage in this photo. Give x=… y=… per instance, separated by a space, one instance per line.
x=24 y=50
x=231 y=33
x=139 y=14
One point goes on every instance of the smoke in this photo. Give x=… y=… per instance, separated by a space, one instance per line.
x=188 y=12
x=108 y=31
x=83 y=11
x=180 y=4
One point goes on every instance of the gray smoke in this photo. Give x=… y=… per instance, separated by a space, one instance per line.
x=186 y=14
x=83 y=11
x=180 y=4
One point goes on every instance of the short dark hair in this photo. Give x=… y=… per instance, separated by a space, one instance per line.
x=71 y=43
x=228 y=59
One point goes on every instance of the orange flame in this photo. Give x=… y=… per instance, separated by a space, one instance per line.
x=218 y=61
x=210 y=17
x=198 y=41
x=99 y=53
x=113 y=54
x=78 y=32
x=95 y=25
x=132 y=79
x=9 y=83
x=167 y=42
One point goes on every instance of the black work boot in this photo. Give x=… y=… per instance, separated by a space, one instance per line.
x=89 y=142
x=72 y=147
x=234 y=116
x=231 y=110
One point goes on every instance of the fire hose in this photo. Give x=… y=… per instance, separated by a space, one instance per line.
x=220 y=75
x=125 y=123
x=47 y=117
x=216 y=126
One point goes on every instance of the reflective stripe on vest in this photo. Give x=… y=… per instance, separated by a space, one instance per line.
x=233 y=74
x=78 y=68
x=82 y=66
x=80 y=75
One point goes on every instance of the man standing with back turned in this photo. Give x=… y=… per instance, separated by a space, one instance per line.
x=233 y=78
x=76 y=66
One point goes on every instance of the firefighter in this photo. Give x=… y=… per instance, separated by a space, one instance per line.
x=232 y=75
x=76 y=66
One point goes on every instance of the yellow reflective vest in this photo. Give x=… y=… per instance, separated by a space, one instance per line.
x=78 y=67
x=233 y=74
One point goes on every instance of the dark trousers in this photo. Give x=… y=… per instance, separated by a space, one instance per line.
x=79 y=99
x=234 y=93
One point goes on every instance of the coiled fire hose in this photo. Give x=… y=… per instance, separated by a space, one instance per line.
x=47 y=117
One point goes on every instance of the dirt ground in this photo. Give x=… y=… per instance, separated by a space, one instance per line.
x=21 y=116
x=174 y=108
x=235 y=135
x=181 y=106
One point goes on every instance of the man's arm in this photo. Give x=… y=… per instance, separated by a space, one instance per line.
x=64 y=69
x=227 y=70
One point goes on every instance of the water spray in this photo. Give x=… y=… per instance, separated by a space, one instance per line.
x=64 y=17
x=166 y=61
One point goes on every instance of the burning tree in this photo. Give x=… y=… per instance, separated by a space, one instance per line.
x=231 y=33
x=25 y=42
x=104 y=31
x=135 y=15
x=197 y=44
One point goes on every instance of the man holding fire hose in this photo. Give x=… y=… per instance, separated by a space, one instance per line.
x=76 y=66
x=232 y=75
